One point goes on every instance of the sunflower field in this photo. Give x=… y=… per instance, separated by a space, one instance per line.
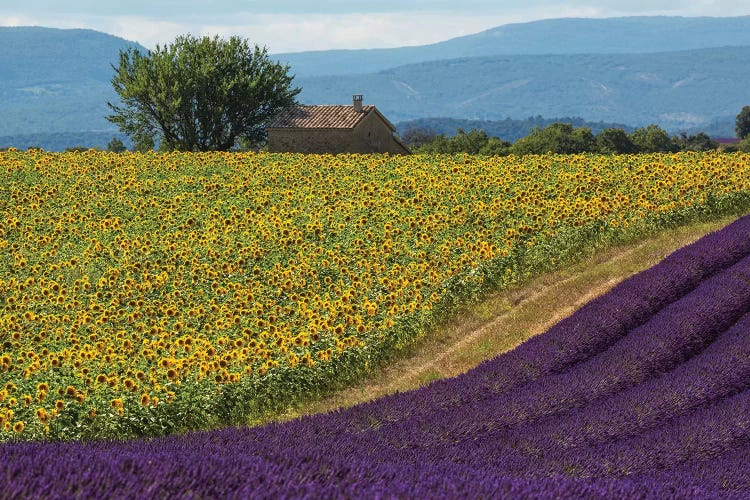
x=149 y=294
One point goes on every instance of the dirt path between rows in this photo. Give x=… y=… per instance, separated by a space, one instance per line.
x=509 y=327
x=510 y=317
x=447 y=367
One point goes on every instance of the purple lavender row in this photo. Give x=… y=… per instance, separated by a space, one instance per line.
x=721 y=371
x=708 y=434
x=630 y=422
x=180 y=472
x=669 y=338
x=725 y=474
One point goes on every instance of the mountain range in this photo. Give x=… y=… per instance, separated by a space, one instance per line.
x=676 y=90
x=621 y=35
x=55 y=83
x=680 y=73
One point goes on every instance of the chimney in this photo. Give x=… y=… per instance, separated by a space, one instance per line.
x=357 y=100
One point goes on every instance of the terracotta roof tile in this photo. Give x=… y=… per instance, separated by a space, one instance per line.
x=339 y=116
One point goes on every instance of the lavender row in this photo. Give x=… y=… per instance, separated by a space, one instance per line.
x=643 y=393
x=669 y=338
x=204 y=470
x=699 y=412
x=721 y=371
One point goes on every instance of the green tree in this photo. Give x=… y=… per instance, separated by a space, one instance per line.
x=744 y=145
x=556 y=138
x=475 y=142
x=439 y=144
x=653 y=139
x=743 y=123
x=614 y=141
x=199 y=94
x=698 y=142
x=116 y=145
x=496 y=147
x=416 y=137
x=471 y=142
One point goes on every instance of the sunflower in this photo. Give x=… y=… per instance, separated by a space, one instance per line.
x=42 y=416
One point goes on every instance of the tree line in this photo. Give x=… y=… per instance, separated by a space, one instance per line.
x=510 y=129
x=564 y=138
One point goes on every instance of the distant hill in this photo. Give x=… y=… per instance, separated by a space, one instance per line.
x=54 y=80
x=508 y=129
x=676 y=90
x=623 y=35
x=59 y=141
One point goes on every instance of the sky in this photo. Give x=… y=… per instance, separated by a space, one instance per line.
x=301 y=25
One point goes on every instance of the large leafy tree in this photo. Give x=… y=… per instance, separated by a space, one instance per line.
x=614 y=140
x=199 y=94
x=653 y=139
x=743 y=123
x=556 y=138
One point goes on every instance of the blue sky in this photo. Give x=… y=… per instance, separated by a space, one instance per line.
x=297 y=25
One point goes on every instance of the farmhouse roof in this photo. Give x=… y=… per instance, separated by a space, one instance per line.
x=323 y=116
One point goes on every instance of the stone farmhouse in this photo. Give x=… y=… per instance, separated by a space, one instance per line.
x=334 y=129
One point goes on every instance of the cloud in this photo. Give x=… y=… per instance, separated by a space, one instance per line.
x=147 y=32
x=16 y=19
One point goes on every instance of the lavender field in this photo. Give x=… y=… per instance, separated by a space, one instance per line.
x=641 y=393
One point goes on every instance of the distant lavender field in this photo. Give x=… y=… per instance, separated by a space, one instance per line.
x=641 y=393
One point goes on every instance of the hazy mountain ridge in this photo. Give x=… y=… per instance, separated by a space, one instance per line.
x=58 y=55
x=56 y=81
x=551 y=36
